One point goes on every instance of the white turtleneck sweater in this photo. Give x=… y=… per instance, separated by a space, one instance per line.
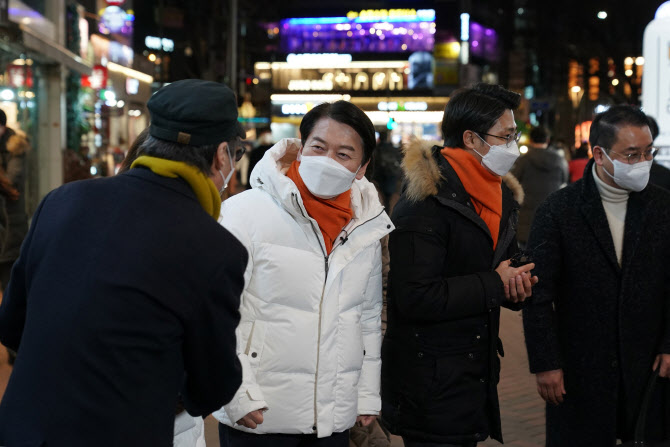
x=615 y=201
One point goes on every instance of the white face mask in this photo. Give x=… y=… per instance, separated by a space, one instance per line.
x=226 y=178
x=324 y=177
x=499 y=158
x=631 y=177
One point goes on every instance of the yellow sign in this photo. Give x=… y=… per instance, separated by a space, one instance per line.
x=382 y=14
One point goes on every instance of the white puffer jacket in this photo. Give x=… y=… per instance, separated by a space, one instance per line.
x=310 y=334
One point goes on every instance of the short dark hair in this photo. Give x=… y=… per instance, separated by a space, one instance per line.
x=346 y=113
x=133 y=151
x=606 y=125
x=653 y=127
x=3 y=118
x=477 y=109
x=199 y=156
x=539 y=135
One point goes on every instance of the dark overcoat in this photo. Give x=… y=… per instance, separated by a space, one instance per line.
x=601 y=323
x=125 y=294
x=440 y=364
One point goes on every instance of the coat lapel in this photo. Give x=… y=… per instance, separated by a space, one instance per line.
x=592 y=209
x=635 y=216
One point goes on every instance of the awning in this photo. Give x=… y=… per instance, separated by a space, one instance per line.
x=18 y=39
x=54 y=52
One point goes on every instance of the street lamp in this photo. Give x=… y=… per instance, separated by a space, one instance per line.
x=602 y=15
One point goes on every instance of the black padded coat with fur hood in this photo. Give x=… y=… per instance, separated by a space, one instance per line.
x=440 y=365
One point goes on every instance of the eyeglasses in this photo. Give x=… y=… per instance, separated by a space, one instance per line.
x=239 y=153
x=635 y=157
x=513 y=137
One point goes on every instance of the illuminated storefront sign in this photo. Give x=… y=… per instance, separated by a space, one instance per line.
x=157 y=43
x=97 y=80
x=114 y=19
x=312 y=59
x=410 y=106
x=367 y=31
x=405 y=15
x=364 y=80
x=20 y=76
x=294 y=109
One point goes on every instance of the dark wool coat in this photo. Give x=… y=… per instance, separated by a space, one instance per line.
x=440 y=365
x=609 y=322
x=126 y=292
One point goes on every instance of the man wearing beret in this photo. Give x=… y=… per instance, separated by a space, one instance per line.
x=126 y=292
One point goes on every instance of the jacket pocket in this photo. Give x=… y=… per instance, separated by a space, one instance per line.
x=457 y=402
x=255 y=343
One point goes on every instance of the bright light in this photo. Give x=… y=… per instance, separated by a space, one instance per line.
x=520 y=11
x=628 y=72
x=255 y=81
x=576 y=89
x=615 y=82
x=628 y=61
x=129 y=72
x=304 y=60
x=600 y=108
x=465 y=27
x=639 y=60
x=110 y=95
x=602 y=15
x=94 y=170
x=120 y=103
x=523 y=149
x=404 y=47
x=6 y=95
x=152 y=57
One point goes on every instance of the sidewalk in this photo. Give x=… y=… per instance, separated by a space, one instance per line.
x=521 y=407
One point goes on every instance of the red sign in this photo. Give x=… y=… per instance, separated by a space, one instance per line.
x=97 y=80
x=115 y=2
x=20 y=76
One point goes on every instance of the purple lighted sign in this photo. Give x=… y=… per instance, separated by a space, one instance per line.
x=483 y=42
x=342 y=35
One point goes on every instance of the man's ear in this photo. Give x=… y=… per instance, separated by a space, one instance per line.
x=469 y=139
x=361 y=172
x=598 y=156
x=221 y=158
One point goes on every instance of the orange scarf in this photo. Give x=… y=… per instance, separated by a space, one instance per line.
x=483 y=186
x=331 y=214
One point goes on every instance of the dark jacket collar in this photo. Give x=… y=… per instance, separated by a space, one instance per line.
x=177 y=184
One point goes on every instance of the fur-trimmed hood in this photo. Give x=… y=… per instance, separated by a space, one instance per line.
x=422 y=173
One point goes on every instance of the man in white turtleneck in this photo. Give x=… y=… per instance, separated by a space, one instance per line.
x=598 y=323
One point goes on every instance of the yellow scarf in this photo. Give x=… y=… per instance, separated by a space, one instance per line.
x=203 y=186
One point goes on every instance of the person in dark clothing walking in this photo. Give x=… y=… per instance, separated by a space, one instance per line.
x=13 y=149
x=578 y=163
x=126 y=291
x=599 y=322
x=450 y=273
x=541 y=171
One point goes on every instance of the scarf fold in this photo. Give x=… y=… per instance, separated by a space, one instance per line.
x=203 y=186
x=332 y=215
x=483 y=186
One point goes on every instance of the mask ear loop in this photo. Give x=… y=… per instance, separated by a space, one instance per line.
x=226 y=179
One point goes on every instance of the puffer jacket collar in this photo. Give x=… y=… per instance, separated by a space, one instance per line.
x=269 y=175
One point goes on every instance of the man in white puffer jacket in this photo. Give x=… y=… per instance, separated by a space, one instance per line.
x=310 y=331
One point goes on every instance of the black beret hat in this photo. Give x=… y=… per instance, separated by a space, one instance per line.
x=194 y=112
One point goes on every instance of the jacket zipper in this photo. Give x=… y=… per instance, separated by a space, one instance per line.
x=323 y=291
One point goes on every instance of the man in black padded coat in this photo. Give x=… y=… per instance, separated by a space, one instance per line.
x=450 y=273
